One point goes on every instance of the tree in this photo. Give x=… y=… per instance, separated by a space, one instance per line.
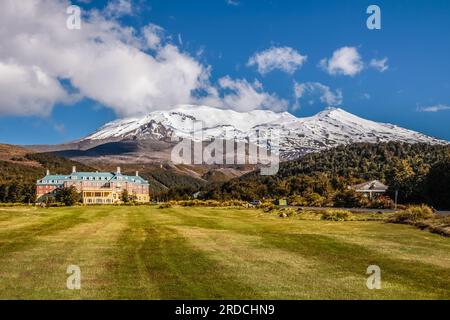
x=348 y=198
x=68 y=196
x=125 y=196
x=3 y=192
x=437 y=185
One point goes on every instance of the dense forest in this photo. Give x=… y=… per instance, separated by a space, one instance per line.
x=18 y=176
x=419 y=172
x=171 y=180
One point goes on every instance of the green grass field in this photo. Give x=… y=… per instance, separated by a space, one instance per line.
x=213 y=253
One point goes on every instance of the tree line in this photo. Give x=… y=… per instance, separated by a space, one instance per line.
x=418 y=172
x=18 y=180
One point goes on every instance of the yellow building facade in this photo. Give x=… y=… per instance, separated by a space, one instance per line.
x=96 y=187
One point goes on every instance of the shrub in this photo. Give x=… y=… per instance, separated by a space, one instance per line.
x=413 y=213
x=315 y=200
x=69 y=196
x=165 y=205
x=13 y=204
x=298 y=200
x=349 y=198
x=268 y=206
x=382 y=202
x=336 y=215
x=206 y=203
x=285 y=213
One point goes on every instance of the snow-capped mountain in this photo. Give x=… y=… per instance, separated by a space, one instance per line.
x=329 y=128
x=180 y=121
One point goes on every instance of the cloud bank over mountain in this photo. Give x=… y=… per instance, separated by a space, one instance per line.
x=129 y=70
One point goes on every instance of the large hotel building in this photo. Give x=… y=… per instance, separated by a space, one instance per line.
x=95 y=187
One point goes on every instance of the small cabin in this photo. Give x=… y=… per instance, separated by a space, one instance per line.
x=371 y=189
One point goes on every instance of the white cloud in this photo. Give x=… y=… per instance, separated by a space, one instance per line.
x=281 y=58
x=435 y=108
x=380 y=65
x=345 y=61
x=242 y=95
x=28 y=90
x=232 y=2
x=59 y=127
x=316 y=89
x=104 y=61
x=153 y=35
x=118 y=8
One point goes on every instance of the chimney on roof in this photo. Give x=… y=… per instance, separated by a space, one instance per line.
x=137 y=173
x=48 y=172
x=74 y=169
x=118 y=169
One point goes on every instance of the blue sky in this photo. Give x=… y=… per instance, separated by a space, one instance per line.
x=223 y=36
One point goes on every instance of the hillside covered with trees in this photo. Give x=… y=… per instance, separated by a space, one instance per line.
x=419 y=172
x=20 y=170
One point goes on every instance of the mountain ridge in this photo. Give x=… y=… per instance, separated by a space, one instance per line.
x=328 y=128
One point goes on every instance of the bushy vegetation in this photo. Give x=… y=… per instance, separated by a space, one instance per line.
x=439 y=225
x=423 y=218
x=413 y=213
x=18 y=181
x=419 y=172
x=56 y=164
x=203 y=203
x=437 y=184
x=165 y=205
x=125 y=196
x=336 y=215
x=68 y=196
x=17 y=192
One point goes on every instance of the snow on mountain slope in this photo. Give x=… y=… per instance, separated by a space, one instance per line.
x=328 y=128
x=181 y=120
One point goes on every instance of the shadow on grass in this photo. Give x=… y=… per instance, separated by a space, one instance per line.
x=22 y=238
x=332 y=254
x=161 y=264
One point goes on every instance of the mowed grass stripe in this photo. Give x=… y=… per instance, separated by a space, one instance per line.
x=159 y=263
x=333 y=255
x=214 y=253
x=34 y=264
x=19 y=238
x=12 y=219
x=348 y=262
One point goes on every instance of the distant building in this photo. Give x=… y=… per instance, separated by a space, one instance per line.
x=95 y=187
x=371 y=189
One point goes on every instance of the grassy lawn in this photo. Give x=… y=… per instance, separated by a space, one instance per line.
x=213 y=253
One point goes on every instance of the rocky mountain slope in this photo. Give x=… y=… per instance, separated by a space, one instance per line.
x=327 y=129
